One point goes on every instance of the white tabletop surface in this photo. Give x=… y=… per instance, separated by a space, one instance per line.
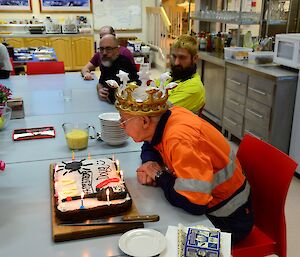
x=25 y=222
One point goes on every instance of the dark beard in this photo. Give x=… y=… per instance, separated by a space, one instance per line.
x=179 y=73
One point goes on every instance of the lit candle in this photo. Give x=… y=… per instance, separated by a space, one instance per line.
x=118 y=166
x=107 y=196
x=73 y=155
x=89 y=156
x=82 y=206
x=121 y=175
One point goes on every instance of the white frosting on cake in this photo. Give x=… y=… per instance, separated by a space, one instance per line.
x=71 y=178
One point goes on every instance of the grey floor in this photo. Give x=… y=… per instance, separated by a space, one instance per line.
x=292 y=207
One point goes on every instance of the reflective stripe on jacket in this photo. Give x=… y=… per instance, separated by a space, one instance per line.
x=206 y=170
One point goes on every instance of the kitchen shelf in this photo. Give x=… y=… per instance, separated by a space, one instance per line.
x=22 y=25
x=227 y=21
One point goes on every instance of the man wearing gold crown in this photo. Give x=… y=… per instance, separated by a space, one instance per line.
x=187 y=157
x=190 y=92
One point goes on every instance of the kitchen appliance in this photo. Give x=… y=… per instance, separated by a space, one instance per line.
x=52 y=28
x=287 y=50
x=69 y=29
x=36 y=29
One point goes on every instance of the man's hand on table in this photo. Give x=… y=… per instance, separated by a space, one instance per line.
x=88 y=76
x=103 y=92
x=146 y=173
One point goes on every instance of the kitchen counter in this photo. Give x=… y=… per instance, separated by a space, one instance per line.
x=28 y=35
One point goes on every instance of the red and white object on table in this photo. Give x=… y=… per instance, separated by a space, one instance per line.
x=2 y=165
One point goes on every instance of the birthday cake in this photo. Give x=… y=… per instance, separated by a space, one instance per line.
x=89 y=189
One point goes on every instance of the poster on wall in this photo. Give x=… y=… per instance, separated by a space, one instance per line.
x=15 y=6
x=66 y=5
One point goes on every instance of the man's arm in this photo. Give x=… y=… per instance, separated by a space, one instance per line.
x=86 y=71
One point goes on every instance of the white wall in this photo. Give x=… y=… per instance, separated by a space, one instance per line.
x=63 y=16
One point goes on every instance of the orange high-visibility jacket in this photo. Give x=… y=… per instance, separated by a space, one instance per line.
x=206 y=170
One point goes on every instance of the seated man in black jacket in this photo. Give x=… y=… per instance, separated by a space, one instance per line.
x=112 y=63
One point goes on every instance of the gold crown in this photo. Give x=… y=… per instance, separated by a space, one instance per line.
x=142 y=100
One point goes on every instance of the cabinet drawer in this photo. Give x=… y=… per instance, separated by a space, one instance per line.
x=261 y=90
x=236 y=76
x=258 y=113
x=233 y=122
x=252 y=128
x=234 y=101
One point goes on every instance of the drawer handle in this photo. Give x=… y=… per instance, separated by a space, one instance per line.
x=251 y=133
x=235 y=82
x=255 y=113
x=231 y=121
x=257 y=91
x=234 y=102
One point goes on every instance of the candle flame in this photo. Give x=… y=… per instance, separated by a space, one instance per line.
x=82 y=195
x=89 y=156
x=73 y=155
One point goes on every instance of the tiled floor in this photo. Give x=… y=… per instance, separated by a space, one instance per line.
x=292 y=203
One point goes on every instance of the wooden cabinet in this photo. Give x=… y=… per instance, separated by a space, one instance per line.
x=35 y=42
x=62 y=47
x=74 y=51
x=82 y=51
x=259 y=103
x=14 y=41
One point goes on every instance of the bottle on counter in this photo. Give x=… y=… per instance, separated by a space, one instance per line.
x=218 y=42
x=208 y=43
x=202 y=42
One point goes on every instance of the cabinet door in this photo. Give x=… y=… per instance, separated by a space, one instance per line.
x=82 y=51
x=35 y=42
x=15 y=42
x=62 y=48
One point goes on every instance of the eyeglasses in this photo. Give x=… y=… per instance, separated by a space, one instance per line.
x=123 y=121
x=107 y=49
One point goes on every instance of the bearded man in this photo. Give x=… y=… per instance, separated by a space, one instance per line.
x=190 y=92
x=111 y=64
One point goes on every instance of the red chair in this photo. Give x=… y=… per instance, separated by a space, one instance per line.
x=35 y=68
x=13 y=67
x=269 y=172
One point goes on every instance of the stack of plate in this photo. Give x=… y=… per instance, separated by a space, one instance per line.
x=111 y=132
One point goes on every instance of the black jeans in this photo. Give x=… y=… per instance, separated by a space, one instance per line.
x=4 y=74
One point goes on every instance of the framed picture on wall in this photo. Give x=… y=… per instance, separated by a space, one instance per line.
x=15 y=6
x=65 y=5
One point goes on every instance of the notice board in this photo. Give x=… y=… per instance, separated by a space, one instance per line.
x=120 y=14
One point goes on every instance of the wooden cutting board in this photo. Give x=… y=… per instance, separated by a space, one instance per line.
x=66 y=233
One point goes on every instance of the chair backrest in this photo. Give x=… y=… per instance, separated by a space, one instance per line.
x=269 y=172
x=35 y=68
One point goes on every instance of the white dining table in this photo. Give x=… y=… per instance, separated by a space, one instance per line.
x=43 y=94
x=25 y=212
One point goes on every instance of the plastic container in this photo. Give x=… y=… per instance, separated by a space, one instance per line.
x=236 y=53
x=5 y=114
x=261 y=57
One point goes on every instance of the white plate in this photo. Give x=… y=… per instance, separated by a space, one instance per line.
x=142 y=242
x=109 y=116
